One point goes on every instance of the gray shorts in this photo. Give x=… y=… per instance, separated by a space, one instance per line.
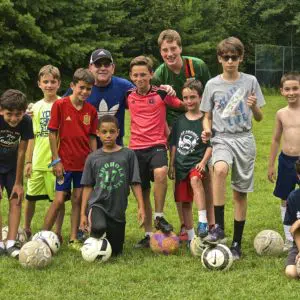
x=239 y=152
x=291 y=258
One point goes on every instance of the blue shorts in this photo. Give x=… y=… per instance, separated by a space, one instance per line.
x=286 y=176
x=69 y=178
x=7 y=181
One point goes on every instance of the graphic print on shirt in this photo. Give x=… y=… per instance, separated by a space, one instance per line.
x=9 y=141
x=44 y=120
x=103 y=109
x=111 y=176
x=187 y=142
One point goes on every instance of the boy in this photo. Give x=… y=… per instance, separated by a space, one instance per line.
x=292 y=218
x=287 y=126
x=189 y=157
x=41 y=180
x=15 y=131
x=147 y=107
x=230 y=100
x=107 y=175
x=73 y=123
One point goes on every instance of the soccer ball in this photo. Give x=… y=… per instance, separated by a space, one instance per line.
x=217 y=258
x=21 y=237
x=35 y=254
x=96 y=249
x=197 y=246
x=49 y=238
x=164 y=243
x=268 y=242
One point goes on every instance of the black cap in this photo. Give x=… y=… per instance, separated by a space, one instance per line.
x=100 y=53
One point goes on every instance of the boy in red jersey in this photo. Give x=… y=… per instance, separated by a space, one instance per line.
x=147 y=106
x=73 y=123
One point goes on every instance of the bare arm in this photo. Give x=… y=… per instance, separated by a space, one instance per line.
x=53 y=140
x=207 y=155
x=257 y=112
x=137 y=191
x=171 y=172
x=207 y=125
x=93 y=143
x=86 y=193
x=29 y=155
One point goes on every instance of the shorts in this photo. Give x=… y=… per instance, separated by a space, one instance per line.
x=100 y=223
x=290 y=260
x=7 y=181
x=41 y=186
x=239 y=152
x=150 y=159
x=286 y=176
x=69 y=178
x=183 y=190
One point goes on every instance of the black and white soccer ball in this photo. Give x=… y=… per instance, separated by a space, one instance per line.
x=268 y=242
x=217 y=258
x=197 y=246
x=96 y=249
x=49 y=238
x=21 y=237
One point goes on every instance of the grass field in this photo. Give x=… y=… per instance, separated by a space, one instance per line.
x=140 y=274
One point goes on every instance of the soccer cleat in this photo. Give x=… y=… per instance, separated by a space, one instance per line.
x=75 y=244
x=162 y=224
x=215 y=236
x=183 y=236
x=13 y=251
x=143 y=243
x=202 y=229
x=288 y=244
x=236 y=250
x=2 y=251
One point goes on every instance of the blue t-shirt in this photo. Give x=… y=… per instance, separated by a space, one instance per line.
x=10 y=138
x=293 y=208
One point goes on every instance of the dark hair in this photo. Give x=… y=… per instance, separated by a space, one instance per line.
x=108 y=119
x=13 y=100
x=297 y=166
x=231 y=44
x=85 y=75
x=194 y=84
x=142 y=61
x=289 y=76
x=169 y=35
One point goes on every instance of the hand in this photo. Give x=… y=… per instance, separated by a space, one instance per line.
x=171 y=172
x=17 y=191
x=141 y=216
x=294 y=227
x=200 y=167
x=28 y=170
x=83 y=223
x=251 y=101
x=170 y=91
x=271 y=174
x=58 y=170
x=206 y=136
x=29 y=111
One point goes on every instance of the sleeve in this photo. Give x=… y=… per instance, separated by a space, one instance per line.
x=206 y=104
x=134 y=171
x=87 y=174
x=129 y=85
x=290 y=215
x=259 y=95
x=173 y=101
x=27 y=129
x=54 y=117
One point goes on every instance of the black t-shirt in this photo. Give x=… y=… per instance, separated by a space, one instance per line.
x=293 y=208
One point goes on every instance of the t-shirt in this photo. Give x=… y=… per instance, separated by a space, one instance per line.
x=111 y=174
x=41 y=153
x=228 y=103
x=186 y=136
x=163 y=75
x=293 y=208
x=74 y=127
x=148 y=117
x=10 y=138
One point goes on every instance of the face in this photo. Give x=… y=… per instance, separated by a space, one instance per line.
x=171 y=53
x=141 y=77
x=230 y=62
x=49 y=85
x=81 y=90
x=108 y=133
x=191 y=99
x=12 y=117
x=103 y=70
x=291 y=90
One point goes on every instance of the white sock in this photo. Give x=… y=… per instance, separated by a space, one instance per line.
x=191 y=234
x=157 y=214
x=202 y=217
x=148 y=233
x=2 y=245
x=10 y=243
x=286 y=228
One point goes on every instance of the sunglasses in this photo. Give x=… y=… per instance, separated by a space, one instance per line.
x=232 y=57
x=105 y=64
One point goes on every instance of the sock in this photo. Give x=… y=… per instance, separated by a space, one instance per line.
x=191 y=234
x=219 y=215
x=2 y=245
x=286 y=228
x=10 y=243
x=148 y=233
x=202 y=217
x=156 y=214
x=238 y=231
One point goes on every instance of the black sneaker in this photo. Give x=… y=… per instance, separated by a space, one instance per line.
x=215 y=236
x=13 y=251
x=143 y=243
x=236 y=250
x=162 y=224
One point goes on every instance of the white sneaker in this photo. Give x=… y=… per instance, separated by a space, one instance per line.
x=288 y=244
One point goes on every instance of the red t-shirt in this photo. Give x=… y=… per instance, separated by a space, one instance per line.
x=148 y=117
x=74 y=127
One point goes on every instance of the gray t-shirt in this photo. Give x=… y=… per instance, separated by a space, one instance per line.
x=111 y=174
x=228 y=103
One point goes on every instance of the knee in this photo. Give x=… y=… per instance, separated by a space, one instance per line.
x=291 y=272
x=76 y=200
x=160 y=175
x=221 y=170
x=195 y=182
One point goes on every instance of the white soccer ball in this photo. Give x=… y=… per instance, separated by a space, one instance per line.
x=35 y=254
x=21 y=237
x=197 y=246
x=96 y=249
x=268 y=242
x=217 y=258
x=50 y=238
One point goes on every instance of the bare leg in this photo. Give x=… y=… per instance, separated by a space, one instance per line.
x=198 y=191
x=60 y=219
x=219 y=182
x=29 y=213
x=187 y=215
x=13 y=218
x=75 y=216
x=160 y=188
x=207 y=185
x=240 y=205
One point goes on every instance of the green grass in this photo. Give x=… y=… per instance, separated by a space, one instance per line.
x=144 y=275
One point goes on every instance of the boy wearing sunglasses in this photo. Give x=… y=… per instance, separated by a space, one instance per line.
x=230 y=101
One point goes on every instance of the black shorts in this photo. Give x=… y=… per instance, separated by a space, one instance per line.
x=150 y=159
x=115 y=231
x=290 y=260
x=7 y=181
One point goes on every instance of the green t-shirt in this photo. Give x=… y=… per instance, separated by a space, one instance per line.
x=163 y=75
x=186 y=136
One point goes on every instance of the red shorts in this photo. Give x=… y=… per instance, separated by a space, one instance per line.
x=183 y=189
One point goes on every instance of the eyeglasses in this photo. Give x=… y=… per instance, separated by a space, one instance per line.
x=105 y=64
x=232 y=57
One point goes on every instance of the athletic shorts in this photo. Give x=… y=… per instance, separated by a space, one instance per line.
x=183 y=188
x=100 y=223
x=41 y=186
x=239 y=152
x=70 y=177
x=290 y=260
x=150 y=159
x=7 y=181
x=286 y=176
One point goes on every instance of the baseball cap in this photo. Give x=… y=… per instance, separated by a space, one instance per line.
x=100 y=53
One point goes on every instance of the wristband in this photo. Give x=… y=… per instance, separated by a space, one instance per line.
x=54 y=162
x=28 y=162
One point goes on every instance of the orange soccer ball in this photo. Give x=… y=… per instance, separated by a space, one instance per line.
x=164 y=243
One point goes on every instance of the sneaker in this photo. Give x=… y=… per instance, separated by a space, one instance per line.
x=236 y=250
x=13 y=251
x=288 y=244
x=2 y=251
x=143 y=243
x=183 y=236
x=162 y=224
x=215 y=236
x=202 y=229
x=75 y=245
